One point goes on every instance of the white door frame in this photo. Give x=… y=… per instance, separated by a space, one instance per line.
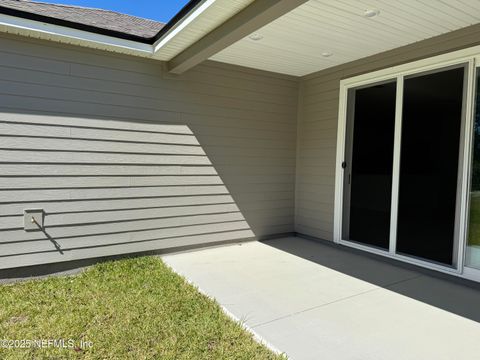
x=398 y=73
x=468 y=272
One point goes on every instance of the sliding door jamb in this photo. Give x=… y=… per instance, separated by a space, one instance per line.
x=466 y=161
x=396 y=165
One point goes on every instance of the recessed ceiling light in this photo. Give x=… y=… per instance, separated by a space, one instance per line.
x=255 y=37
x=327 y=54
x=370 y=13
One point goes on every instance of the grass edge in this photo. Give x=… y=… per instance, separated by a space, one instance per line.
x=257 y=337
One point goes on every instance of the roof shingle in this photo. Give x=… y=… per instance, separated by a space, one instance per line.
x=97 y=18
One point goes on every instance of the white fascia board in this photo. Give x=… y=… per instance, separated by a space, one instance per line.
x=69 y=33
x=89 y=38
x=182 y=24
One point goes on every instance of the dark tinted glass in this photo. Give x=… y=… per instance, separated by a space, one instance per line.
x=369 y=163
x=431 y=121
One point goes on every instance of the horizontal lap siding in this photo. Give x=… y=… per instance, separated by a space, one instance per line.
x=126 y=158
x=318 y=121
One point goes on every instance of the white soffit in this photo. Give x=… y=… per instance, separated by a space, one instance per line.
x=213 y=16
x=293 y=44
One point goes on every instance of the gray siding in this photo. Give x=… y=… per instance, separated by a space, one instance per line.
x=124 y=157
x=317 y=126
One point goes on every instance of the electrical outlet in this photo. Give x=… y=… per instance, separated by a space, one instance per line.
x=33 y=219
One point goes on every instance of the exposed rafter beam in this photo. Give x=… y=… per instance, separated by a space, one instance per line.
x=250 y=19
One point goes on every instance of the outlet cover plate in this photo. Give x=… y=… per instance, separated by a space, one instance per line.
x=28 y=215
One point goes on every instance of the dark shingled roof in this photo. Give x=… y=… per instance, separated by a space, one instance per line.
x=103 y=21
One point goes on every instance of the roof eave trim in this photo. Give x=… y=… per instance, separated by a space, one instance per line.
x=71 y=33
x=182 y=17
x=74 y=25
x=189 y=13
x=91 y=35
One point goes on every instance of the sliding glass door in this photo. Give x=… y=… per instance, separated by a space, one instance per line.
x=368 y=164
x=430 y=143
x=401 y=165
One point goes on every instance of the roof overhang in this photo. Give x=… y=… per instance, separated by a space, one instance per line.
x=48 y=28
x=48 y=31
x=297 y=37
x=253 y=17
x=184 y=15
x=201 y=29
x=192 y=23
x=322 y=34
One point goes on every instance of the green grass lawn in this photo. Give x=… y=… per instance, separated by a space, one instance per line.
x=129 y=309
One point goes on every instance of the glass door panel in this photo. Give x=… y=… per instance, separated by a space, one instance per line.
x=429 y=163
x=368 y=164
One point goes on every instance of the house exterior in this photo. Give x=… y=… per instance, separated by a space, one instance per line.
x=349 y=122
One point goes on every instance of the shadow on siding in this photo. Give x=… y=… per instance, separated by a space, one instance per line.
x=111 y=187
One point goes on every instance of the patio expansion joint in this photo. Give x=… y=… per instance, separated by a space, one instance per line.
x=386 y=286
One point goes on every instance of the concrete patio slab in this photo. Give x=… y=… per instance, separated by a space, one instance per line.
x=317 y=301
